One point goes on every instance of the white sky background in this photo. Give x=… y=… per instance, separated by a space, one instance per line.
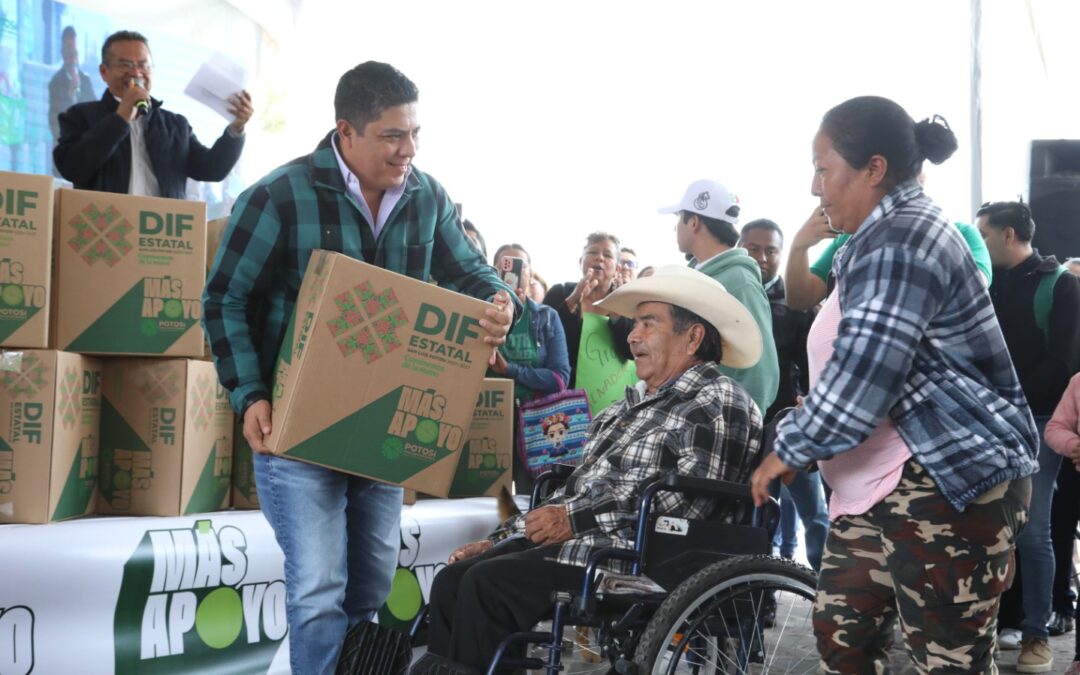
x=551 y=121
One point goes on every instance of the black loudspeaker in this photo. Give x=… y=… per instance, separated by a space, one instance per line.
x=1054 y=196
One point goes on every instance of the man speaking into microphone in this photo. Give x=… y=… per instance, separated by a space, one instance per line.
x=126 y=142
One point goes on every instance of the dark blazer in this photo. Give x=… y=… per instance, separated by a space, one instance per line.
x=94 y=149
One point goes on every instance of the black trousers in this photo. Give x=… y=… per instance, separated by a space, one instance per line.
x=1064 y=514
x=477 y=602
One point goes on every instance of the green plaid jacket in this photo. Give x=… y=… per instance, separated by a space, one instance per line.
x=297 y=208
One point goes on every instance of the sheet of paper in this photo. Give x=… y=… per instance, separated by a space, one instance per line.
x=216 y=80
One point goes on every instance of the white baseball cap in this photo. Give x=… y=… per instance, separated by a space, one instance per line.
x=708 y=198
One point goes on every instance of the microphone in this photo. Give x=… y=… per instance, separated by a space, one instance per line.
x=142 y=106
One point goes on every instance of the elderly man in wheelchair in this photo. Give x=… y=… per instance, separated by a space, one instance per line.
x=660 y=504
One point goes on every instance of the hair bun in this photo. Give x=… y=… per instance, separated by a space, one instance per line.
x=936 y=140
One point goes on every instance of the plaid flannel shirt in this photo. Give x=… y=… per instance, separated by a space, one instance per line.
x=297 y=208
x=918 y=341
x=702 y=424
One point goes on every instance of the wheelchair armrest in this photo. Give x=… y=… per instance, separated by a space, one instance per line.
x=549 y=481
x=766 y=516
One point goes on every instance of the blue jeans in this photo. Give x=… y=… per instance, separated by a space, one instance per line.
x=787 y=534
x=341 y=538
x=809 y=498
x=1033 y=544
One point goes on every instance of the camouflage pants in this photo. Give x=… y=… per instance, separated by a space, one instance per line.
x=915 y=557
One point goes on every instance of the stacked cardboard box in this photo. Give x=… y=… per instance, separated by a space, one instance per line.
x=128 y=283
x=166 y=438
x=26 y=225
x=50 y=403
x=377 y=375
x=49 y=400
x=488 y=455
x=130 y=273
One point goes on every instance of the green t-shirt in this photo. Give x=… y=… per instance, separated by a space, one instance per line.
x=823 y=265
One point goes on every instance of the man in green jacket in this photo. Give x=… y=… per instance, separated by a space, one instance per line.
x=357 y=194
x=707 y=234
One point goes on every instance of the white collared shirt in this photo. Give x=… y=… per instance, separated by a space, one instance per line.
x=352 y=185
x=143 y=182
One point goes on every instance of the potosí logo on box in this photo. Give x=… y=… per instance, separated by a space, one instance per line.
x=417 y=428
x=15 y=205
x=16 y=640
x=184 y=605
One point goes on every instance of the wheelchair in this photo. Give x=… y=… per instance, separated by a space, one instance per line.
x=719 y=602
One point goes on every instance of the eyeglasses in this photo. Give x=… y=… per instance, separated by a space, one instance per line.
x=628 y=264
x=126 y=66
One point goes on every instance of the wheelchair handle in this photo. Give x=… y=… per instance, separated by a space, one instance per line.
x=556 y=473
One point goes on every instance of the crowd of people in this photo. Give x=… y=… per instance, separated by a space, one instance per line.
x=928 y=370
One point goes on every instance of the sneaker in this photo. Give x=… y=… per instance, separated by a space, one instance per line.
x=1060 y=624
x=1073 y=669
x=1035 y=657
x=1009 y=639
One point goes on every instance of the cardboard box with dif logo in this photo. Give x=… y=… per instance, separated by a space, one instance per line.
x=378 y=374
x=129 y=274
x=488 y=456
x=50 y=402
x=166 y=438
x=26 y=225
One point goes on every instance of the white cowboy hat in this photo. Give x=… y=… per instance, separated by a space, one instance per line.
x=684 y=287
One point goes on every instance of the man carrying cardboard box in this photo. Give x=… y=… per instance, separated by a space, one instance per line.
x=684 y=416
x=358 y=194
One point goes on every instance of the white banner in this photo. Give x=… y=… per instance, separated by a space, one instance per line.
x=183 y=595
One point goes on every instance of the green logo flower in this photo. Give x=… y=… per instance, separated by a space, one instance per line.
x=392 y=448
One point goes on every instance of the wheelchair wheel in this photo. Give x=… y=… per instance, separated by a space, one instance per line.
x=738 y=616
